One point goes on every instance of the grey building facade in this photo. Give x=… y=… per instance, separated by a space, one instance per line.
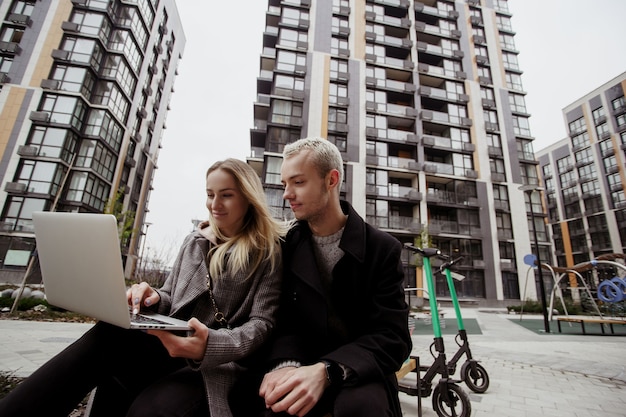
x=84 y=93
x=426 y=104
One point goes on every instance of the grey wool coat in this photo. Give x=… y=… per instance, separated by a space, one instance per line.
x=249 y=304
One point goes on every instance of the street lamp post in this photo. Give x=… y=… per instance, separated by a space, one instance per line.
x=529 y=189
x=143 y=247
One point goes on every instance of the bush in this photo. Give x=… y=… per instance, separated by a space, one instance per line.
x=24 y=304
x=8 y=381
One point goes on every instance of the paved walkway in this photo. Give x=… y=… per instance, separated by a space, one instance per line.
x=530 y=374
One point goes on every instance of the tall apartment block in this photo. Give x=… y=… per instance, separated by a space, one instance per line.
x=584 y=176
x=84 y=93
x=425 y=101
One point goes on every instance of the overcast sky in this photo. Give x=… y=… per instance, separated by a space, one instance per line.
x=567 y=48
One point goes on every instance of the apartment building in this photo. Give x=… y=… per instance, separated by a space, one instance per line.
x=584 y=175
x=84 y=93
x=425 y=101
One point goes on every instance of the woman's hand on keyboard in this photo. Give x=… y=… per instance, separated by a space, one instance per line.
x=141 y=295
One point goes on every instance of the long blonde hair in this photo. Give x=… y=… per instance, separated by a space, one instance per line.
x=259 y=238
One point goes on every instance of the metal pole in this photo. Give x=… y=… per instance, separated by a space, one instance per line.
x=542 y=287
x=143 y=247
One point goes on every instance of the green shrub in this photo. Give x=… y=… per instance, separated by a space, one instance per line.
x=8 y=381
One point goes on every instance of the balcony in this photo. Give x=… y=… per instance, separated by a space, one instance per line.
x=393 y=109
x=439 y=50
x=389 y=161
x=440 y=70
x=439 y=93
x=423 y=27
x=392 y=85
x=433 y=11
x=390 y=61
x=10 y=47
x=401 y=22
x=389 y=40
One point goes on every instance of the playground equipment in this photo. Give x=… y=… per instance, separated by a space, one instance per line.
x=448 y=398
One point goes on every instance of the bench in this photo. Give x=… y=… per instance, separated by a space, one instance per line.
x=412 y=364
x=583 y=320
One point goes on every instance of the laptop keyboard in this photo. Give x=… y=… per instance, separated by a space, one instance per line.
x=136 y=318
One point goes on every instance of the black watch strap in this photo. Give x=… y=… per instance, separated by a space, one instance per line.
x=334 y=373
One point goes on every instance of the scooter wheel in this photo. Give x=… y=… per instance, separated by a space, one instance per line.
x=476 y=379
x=457 y=403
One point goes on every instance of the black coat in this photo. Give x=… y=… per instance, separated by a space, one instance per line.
x=368 y=298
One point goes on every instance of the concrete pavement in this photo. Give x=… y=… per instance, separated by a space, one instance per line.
x=530 y=374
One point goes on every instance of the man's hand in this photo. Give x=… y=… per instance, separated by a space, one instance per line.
x=189 y=347
x=294 y=390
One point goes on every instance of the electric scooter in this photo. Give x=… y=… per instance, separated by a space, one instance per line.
x=448 y=398
x=473 y=373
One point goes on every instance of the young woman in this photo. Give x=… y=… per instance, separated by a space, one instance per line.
x=225 y=281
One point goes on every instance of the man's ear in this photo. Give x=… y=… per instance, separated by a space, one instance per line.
x=333 y=178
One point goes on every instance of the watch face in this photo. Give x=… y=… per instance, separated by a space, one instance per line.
x=334 y=373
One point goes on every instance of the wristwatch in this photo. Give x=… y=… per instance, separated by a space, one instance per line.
x=334 y=373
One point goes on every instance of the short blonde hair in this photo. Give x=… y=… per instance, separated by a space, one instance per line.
x=324 y=154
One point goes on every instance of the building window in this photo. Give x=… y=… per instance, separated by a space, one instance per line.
x=518 y=103
x=272 y=170
x=88 y=189
x=583 y=156
x=528 y=173
x=337 y=119
x=286 y=112
x=40 y=177
x=337 y=94
x=341 y=142
x=521 y=126
x=581 y=140
x=23 y=7
x=338 y=69
x=504 y=226
x=339 y=46
x=290 y=61
x=564 y=164
x=285 y=85
x=64 y=110
x=547 y=170
x=293 y=17
x=510 y=61
x=53 y=142
x=19 y=212
x=587 y=172
x=525 y=150
x=291 y=38
x=102 y=125
x=11 y=34
x=618 y=103
x=95 y=155
x=507 y=41
x=278 y=137
x=577 y=126
x=514 y=81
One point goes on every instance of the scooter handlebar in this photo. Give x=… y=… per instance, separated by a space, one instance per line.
x=426 y=252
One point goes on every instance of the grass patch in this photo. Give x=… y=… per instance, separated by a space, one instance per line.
x=423 y=328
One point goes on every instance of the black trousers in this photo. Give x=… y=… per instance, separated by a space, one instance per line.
x=363 y=400
x=133 y=373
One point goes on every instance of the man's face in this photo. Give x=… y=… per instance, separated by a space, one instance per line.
x=306 y=192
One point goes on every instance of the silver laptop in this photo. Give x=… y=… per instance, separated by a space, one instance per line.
x=81 y=266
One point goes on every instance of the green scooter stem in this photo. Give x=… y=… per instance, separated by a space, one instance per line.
x=455 y=300
x=431 y=297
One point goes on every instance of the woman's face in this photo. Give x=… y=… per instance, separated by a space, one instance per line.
x=226 y=203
